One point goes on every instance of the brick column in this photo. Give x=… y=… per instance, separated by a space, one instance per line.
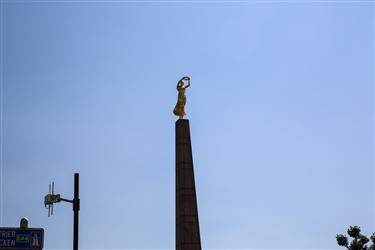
x=187 y=224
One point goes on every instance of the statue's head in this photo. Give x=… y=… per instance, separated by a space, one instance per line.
x=24 y=223
x=180 y=84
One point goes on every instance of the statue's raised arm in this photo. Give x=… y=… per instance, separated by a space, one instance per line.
x=186 y=78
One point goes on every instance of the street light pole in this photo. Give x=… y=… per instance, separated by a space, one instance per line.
x=76 y=211
x=52 y=198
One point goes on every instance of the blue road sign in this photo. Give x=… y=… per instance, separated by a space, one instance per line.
x=13 y=238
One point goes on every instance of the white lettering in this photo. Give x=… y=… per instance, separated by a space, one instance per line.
x=8 y=234
x=7 y=243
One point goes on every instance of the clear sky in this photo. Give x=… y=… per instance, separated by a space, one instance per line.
x=280 y=109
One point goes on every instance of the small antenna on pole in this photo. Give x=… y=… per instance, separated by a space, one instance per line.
x=51 y=198
x=53 y=191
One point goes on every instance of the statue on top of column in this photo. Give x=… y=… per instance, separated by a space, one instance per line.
x=179 y=109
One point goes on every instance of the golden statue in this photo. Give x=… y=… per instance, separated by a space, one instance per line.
x=179 y=109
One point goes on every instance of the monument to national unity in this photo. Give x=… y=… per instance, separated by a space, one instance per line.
x=187 y=223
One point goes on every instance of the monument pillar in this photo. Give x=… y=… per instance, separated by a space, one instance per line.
x=187 y=224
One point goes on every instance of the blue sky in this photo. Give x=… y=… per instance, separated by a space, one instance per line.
x=280 y=109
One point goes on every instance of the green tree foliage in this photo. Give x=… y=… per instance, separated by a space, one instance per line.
x=359 y=241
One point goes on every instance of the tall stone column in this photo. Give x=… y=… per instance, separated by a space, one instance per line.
x=187 y=224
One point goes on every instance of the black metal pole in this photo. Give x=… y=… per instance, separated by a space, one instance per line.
x=76 y=210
